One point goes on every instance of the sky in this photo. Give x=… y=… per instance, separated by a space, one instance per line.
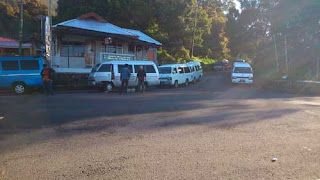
x=238 y=6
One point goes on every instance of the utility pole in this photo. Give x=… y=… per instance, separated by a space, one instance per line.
x=276 y=52
x=286 y=53
x=194 y=29
x=21 y=28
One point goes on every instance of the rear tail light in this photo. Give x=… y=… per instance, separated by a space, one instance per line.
x=250 y=78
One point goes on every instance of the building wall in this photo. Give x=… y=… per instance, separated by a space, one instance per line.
x=61 y=61
x=14 y=51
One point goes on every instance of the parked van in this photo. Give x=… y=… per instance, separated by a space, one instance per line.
x=21 y=73
x=175 y=74
x=196 y=70
x=107 y=74
x=242 y=73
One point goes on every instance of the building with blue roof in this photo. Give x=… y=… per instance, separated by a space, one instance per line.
x=79 y=44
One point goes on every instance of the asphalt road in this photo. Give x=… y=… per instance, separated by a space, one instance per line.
x=210 y=130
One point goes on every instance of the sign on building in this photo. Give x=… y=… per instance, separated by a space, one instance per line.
x=114 y=56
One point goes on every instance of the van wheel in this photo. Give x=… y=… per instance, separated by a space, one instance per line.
x=19 y=88
x=187 y=82
x=176 y=84
x=107 y=87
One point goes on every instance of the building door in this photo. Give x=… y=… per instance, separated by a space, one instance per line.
x=90 y=51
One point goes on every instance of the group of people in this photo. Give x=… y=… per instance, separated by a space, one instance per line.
x=125 y=76
x=47 y=78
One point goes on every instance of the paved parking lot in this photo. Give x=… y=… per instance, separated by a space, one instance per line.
x=210 y=130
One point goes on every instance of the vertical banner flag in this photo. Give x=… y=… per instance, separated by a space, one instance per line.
x=48 y=39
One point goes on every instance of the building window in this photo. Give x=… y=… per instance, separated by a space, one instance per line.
x=131 y=49
x=103 y=47
x=144 y=53
x=111 y=48
x=119 y=48
x=139 y=53
x=72 y=51
x=10 y=65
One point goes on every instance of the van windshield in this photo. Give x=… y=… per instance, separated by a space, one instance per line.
x=242 y=70
x=165 y=70
x=95 y=69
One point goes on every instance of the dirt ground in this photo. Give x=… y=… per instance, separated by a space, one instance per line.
x=209 y=130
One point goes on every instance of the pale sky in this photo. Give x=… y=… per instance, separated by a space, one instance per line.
x=238 y=6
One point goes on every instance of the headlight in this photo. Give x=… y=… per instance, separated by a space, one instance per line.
x=170 y=78
x=250 y=78
x=233 y=77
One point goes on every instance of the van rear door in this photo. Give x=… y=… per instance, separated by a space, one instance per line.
x=152 y=75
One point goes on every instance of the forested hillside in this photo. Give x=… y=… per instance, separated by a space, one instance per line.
x=222 y=31
x=169 y=21
x=10 y=14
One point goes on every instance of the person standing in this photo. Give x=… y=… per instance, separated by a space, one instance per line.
x=141 y=78
x=47 y=78
x=124 y=77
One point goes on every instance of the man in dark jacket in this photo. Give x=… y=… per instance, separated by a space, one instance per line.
x=141 y=77
x=124 y=77
x=47 y=78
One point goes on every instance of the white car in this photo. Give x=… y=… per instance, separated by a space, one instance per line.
x=107 y=74
x=175 y=75
x=196 y=70
x=242 y=73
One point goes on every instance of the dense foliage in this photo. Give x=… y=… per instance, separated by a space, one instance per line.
x=10 y=14
x=171 y=22
x=262 y=23
x=222 y=31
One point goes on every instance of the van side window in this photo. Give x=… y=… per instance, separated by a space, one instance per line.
x=105 y=68
x=186 y=70
x=29 y=65
x=150 y=69
x=137 y=67
x=120 y=67
x=180 y=70
x=10 y=65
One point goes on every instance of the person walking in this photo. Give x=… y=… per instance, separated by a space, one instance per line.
x=47 y=78
x=141 y=78
x=124 y=77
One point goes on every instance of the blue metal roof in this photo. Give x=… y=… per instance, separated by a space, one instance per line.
x=144 y=37
x=94 y=25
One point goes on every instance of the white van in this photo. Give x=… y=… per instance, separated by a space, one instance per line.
x=107 y=74
x=175 y=74
x=196 y=70
x=242 y=73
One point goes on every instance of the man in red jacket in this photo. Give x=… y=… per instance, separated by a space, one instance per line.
x=47 y=78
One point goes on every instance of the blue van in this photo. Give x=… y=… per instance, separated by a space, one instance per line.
x=21 y=73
